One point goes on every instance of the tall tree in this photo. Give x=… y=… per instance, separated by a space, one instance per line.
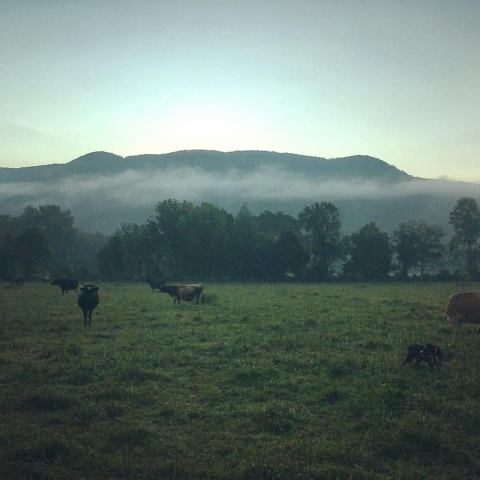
x=465 y=219
x=171 y=222
x=321 y=226
x=418 y=245
x=274 y=224
x=244 y=244
x=210 y=230
x=22 y=254
x=289 y=254
x=111 y=258
x=370 y=253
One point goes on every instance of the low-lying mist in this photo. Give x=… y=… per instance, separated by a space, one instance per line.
x=135 y=188
x=104 y=202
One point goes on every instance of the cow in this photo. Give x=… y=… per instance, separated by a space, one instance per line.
x=187 y=293
x=463 y=308
x=87 y=301
x=65 y=284
x=155 y=284
x=427 y=353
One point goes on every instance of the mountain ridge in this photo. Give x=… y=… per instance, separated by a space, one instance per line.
x=107 y=162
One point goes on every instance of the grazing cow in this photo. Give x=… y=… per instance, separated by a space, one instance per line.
x=183 y=292
x=155 y=284
x=427 y=353
x=87 y=301
x=65 y=284
x=463 y=307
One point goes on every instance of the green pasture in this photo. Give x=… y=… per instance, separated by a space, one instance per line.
x=263 y=381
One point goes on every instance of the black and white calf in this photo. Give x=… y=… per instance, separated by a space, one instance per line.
x=424 y=353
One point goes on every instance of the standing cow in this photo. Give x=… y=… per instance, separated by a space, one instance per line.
x=463 y=308
x=87 y=301
x=65 y=284
x=187 y=293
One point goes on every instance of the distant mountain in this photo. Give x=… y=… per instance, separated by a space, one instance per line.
x=355 y=167
x=104 y=190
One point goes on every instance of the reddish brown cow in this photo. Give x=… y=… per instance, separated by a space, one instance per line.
x=463 y=308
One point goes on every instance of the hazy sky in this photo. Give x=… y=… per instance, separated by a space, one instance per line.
x=399 y=80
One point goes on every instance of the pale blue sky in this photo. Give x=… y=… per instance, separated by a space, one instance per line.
x=399 y=80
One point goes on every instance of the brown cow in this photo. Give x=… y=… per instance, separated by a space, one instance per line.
x=463 y=307
x=183 y=292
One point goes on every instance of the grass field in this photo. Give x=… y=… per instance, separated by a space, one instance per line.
x=264 y=381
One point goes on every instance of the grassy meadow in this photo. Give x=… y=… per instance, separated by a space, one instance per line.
x=263 y=381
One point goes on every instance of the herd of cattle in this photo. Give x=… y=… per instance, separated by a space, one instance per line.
x=463 y=307
x=88 y=298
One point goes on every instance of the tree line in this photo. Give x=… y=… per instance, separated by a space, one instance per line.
x=183 y=240
x=43 y=242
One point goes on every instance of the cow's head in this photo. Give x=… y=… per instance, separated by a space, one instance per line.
x=88 y=289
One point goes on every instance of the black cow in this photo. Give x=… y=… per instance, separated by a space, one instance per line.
x=187 y=293
x=65 y=284
x=87 y=301
x=154 y=283
x=427 y=353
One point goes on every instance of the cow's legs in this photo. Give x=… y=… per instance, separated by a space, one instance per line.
x=407 y=360
x=456 y=328
x=84 y=318
x=455 y=323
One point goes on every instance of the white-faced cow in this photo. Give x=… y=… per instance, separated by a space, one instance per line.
x=87 y=301
x=187 y=293
x=463 y=308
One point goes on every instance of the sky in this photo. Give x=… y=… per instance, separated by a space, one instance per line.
x=397 y=80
